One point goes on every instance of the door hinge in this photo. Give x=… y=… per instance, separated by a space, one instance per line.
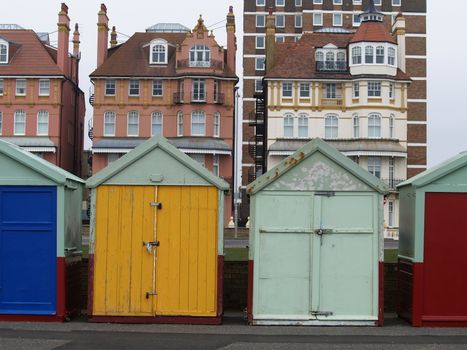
x=325 y=193
x=322 y=313
x=150 y=294
x=158 y=205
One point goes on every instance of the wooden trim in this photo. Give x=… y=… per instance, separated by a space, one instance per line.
x=381 y=294
x=220 y=285
x=90 y=283
x=250 y=291
x=417 y=295
x=61 y=290
x=157 y=320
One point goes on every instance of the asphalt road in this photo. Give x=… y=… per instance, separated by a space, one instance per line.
x=234 y=335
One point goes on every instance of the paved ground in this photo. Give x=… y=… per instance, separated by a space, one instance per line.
x=233 y=335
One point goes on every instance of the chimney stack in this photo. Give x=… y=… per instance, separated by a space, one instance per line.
x=102 y=35
x=231 y=40
x=270 y=39
x=398 y=30
x=63 y=39
x=76 y=41
x=113 y=37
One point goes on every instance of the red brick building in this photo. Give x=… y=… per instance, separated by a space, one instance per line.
x=41 y=105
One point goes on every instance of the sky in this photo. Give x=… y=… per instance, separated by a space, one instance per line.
x=447 y=49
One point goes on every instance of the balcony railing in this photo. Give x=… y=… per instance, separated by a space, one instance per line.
x=186 y=63
x=331 y=66
x=392 y=183
x=336 y=101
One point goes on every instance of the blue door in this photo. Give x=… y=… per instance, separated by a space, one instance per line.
x=28 y=227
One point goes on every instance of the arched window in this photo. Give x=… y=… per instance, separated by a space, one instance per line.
x=42 y=123
x=109 y=124
x=374 y=125
x=319 y=56
x=329 y=56
x=340 y=56
x=133 y=123
x=356 y=55
x=392 y=56
x=200 y=56
x=158 y=52
x=369 y=52
x=198 y=123
x=331 y=127
x=156 y=123
x=288 y=125
x=20 y=123
x=180 y=123
x=380 y=54
x=3 y=52
x=303 y=125
x=356 y=126
x=392 y=125
x=216 y=124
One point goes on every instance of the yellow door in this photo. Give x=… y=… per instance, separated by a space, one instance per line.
x=186 y=265
x=123 y=266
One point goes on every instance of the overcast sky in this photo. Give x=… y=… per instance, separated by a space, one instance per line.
x=447 y=48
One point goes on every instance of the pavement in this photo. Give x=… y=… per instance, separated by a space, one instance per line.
x=234 y=334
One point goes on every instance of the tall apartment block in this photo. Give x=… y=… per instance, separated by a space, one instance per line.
x=293 y=18
x=41 y=105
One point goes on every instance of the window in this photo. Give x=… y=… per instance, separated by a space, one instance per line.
x=216 y=90
x=110 y=87
x=392 y=122
x=198 y=123
x=280 y=2
x=396 y=2
x=357 y=2
x=198 y=94
x=356 y=90
x=258 y=85
x=180 y=123
x=392 y=56
x=20 y=87
x=356 y=19
x=3 y=52
x=298 y=2
x=391 y=172
x=319 y=56
x=133 y=123
x=1 y=87
x=337 y=19
x=374 y=126
x=330 y=57
x=391 y=91
x=330 y=90
x=156 y=123
x=337 y=2
x=340 y=58
x=1 y=122
x=215 y=164
x=260 y=21
x=133 y=87
x=379 y=54
x=288 y=125
x=280 y=21
x=287 y=89
x=369 y=54
x=305 y=90
x=260 y=42
x=390 y=213
x=318 y=2
x=260 y=2
x=378 y=2
x=298 y=21
x=303 y=125
x=279 y=39
x=317 y=19
x=42 y=123
x=356 y=126
x=181 y=89
x=331 y=124
x=158 y=52
x=20 y=123
x=259 y=63
x=216 y=125
x=44 y=87
x=157 y=87
x=374 y=166
x=374 y=89
x=109 y=124
x=356 y=55
x=199 y=158
x=200 y=56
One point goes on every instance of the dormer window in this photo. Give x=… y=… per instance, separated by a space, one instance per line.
x=158 y=52
x=3 y=51
x=330 y=58
x=382 y=54
x=200 y=56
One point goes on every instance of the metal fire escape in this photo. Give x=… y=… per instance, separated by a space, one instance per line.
x=257 y=146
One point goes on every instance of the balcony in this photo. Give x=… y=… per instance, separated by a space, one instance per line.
x=331 y=66
x=214 y=64
x=332 y=102
x=392 y=183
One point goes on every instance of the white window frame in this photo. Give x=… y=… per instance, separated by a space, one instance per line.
x=374 y=166
x=198 y=90
x=42 y=125
x=263 y=17
x=396 y=2
x=369 y=52
x=320 y=16
x=216 y=124
x=280 y=18
x=337 y=2
x=383 y=56
x=357 y=55
x=356 y=90
x=109 y=86
x=199 y=56
x=1 y=122
x=378 y=2
x=374 y=126
x=305 y=92
x=391 y=91
x=1 y=87
x=302 y=126
x=280 y=2
x=317 y=2
x=356 y=2
x=356 y=20
x=17 y=87
x=299 y=3
x=392 y=126
x=133 y=82
x=44 y=87
x=288 y=126
x=260 y=2
x=287 y=89
x=259 y=63
x=134 y=114
x=19 y=113
x=260 y=42
x=331 y=128
x=156 y=89
x=374 y=89
x=215 y=164
x=279 y=38
x=391 y=56
x=180 y=123
x=110 y=121
x=158 y=47
x=298 y=21
x=258 y=85
x=5 y=54
x=157 y=120
x=355 y=126
x=200 y=123
x=335 y=22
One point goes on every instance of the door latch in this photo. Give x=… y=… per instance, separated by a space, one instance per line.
x=150 y=294
x=149 y=245
x=322 y=231
x=158 y=205
x=322 y=313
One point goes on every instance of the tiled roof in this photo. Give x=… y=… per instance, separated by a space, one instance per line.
x=373 y=32
x=131 y=59
x=28 y=55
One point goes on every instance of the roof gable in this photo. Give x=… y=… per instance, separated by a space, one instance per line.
x=155 y=157
x=345 y=176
